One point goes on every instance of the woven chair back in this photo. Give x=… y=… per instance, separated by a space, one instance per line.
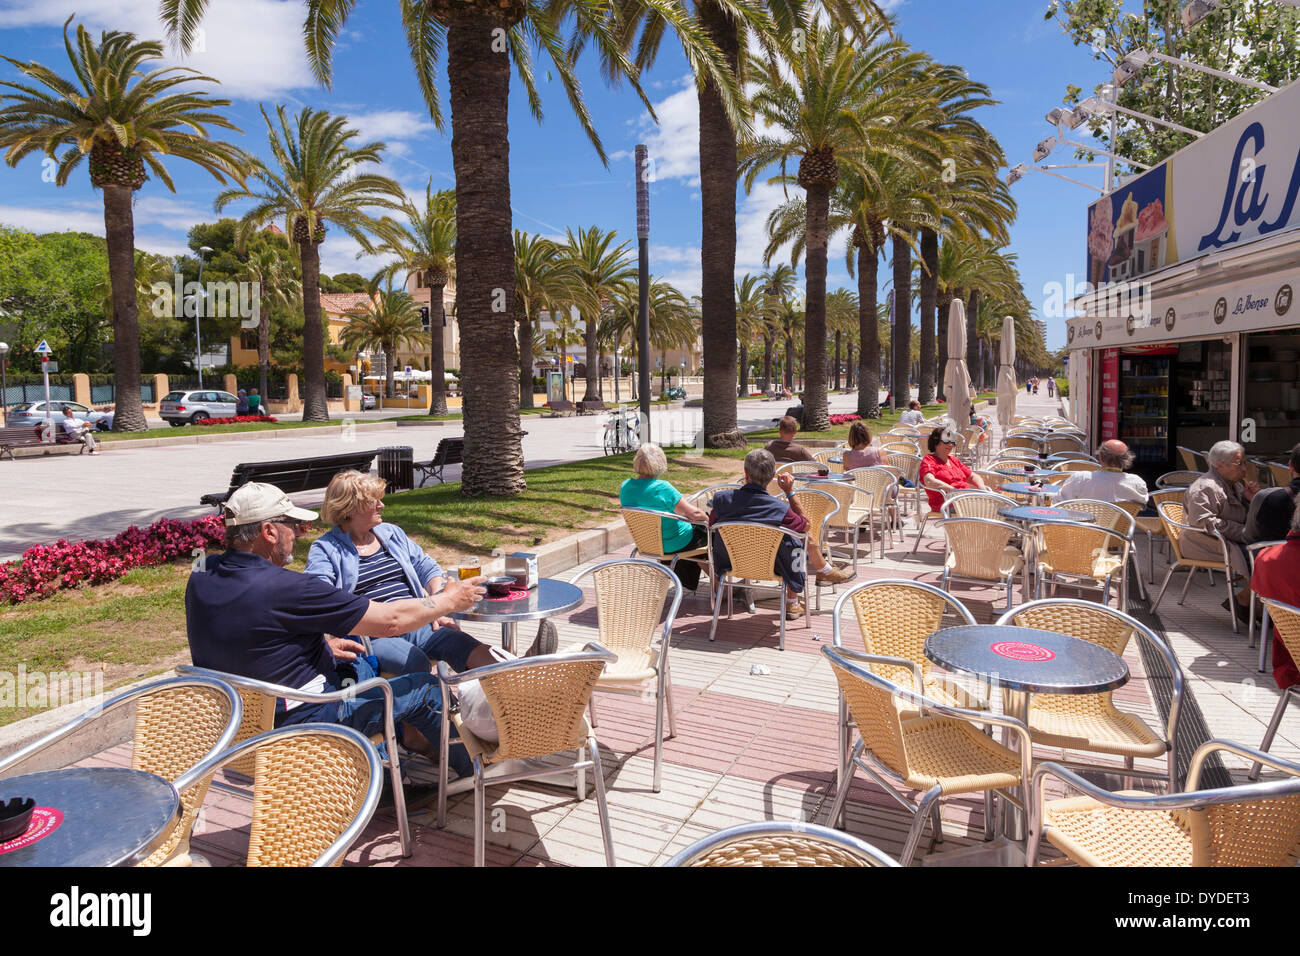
x=307 y=790
x=1250 y=833
x=752 y=549
x=539 y=708
x=1177 y=479
x=1130 y=508
x=1188 y=457
x=1172 y=514
x=873 y=710
x=781 y=850
x=977 y=547
x=1108 y=515
x=799 y=468
x=259 y=717
x=1019 y=454
x=175 y=728
x=977 y=504
x=1059 y=443
x=906 y=447
x=1077 y=466
x=816 y=506
x=824 y=455
x=1021 y=441
x=1092 y=624
x=846 y=497
x=876 y=486
x=894 y=620
x=1287 y=621
x=630 y=601
x=1075 y=548
x=909 y=463
x=647 y=531
x=1010 y=466
x=1281 y=474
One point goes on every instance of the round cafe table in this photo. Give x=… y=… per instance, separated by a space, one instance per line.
x=1041 y=474
x=91 y=816
x=1023 y=661
x=1034 y=513
x=548 y=599
x=1037 y=492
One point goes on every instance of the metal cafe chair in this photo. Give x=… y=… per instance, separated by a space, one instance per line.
x=1286 y=619
x=1172 y=517
x=179 y=723
x=778 y=843
x=1091 y=723
x=1177 y=479
x=631 y=597
x=1081 y=556
x=980 y=551
x=1253 y=825
x=539 y=704
x=315 y=789
x=753 y=548
x=940 y=753
x=646 y=528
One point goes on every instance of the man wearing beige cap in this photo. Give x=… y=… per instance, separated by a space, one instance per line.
x=247 y=614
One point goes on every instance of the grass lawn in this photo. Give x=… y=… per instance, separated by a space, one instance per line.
x=135 y=627
x=886 y=421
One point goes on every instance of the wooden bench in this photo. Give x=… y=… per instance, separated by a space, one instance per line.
x=595 y=405
x=561 y=407
x=450 y=451
x=27 y=436
x=295 y=474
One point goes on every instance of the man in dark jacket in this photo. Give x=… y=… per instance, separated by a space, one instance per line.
x=1270 y=513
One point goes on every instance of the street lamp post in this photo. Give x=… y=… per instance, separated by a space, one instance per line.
x=4 y=384
x=204 y=252
x=643 y=285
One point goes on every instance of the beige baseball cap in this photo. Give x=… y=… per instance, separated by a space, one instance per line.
x=255 y=501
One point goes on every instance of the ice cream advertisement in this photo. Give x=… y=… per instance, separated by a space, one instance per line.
x=1128 y=232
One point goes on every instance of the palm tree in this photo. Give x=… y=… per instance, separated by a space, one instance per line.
x=272 y=268
x=562 y=337
x=672 y=319
x=315 y=183
x=122 y=118
x=779 y=287
x=389 y=321
x=600 y=271
x=543 y=280
x=426 y=245
x=837 y=105
x=734 y=27
x=842 y=319
x=483 y=38
x=749 y=321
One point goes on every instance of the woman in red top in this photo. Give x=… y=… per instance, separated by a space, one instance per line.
x=941 y=472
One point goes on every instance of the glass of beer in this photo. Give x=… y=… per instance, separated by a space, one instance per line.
x=469 y=567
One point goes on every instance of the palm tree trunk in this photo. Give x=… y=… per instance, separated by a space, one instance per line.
x=972 y=334
x=815 y=417
x=929 y=290
x=767 y=361
x=264 y=357
x=837 y=359
x=848 y=366
x=390 y=353
x=743 y=388
x=437 y=357
x=902 y=336
x=789 y=362
x=593 y=362
x=525 y=361
x=718 y=169
x=314 y=406
x=479 y=83
x=869 y=332
x=119 y=232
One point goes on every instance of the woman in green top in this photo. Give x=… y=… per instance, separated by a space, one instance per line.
x=647 y=490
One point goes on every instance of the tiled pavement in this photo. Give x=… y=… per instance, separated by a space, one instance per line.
x=754 y=746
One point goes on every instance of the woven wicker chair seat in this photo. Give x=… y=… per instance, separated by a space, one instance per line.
x=779 y=850
x=633 y=667
x=1079 y=565
x=1085 y=722
x=1147 y=523
x=956 y=756
x=489 y=752
x=937 y=687
x=1093 y=834
x=1007 y=560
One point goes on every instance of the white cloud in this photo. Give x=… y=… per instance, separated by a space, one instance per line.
x=37 y=219
x=673 y=144
x=254 y=47
x=391 y=125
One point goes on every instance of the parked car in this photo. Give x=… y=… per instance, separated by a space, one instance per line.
x=180 y=408
x=674 y=392
x=367 y=402
x=33 y=413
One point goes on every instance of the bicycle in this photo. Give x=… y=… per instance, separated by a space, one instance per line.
x=622 y=432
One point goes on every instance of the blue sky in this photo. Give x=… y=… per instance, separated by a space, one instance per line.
x=255 y=48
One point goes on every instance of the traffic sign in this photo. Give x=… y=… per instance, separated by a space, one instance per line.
x=51 y=367
x=43 y=348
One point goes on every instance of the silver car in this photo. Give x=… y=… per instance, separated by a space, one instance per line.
x=33 y=413
x=180 y=408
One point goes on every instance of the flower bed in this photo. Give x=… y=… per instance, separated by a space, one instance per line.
x=44 y=569
x=238 y=419
x=845 y=419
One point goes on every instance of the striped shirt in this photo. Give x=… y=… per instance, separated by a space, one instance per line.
x=381 y=578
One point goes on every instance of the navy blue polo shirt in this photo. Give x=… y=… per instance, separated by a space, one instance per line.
x=246 y=616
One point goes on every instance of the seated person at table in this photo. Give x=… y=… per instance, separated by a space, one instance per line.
x=647 y=490
x=785 y=449
x=1269 y=518
x=1277 y=576
x=753 y=503
x=364 y=555
x=247 y=614
x=1219 y=501
x=1109 y=482
x=75 y=430
x=913 y=414
x=941 y=471
x=860 y=453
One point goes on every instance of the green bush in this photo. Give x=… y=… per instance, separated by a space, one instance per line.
x=1063 y=387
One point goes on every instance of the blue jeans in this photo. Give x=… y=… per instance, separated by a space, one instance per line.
x=417 y=700
x=414 y=652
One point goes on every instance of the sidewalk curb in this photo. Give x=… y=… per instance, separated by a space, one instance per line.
x=196 y=439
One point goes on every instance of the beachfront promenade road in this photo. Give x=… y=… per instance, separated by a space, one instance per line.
x=83 y=496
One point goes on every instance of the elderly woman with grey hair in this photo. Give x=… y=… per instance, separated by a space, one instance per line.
x=648 y=490
x=1219 y=501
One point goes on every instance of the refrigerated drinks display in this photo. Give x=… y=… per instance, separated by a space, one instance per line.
x=1203 y=403
x=1144 y=383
